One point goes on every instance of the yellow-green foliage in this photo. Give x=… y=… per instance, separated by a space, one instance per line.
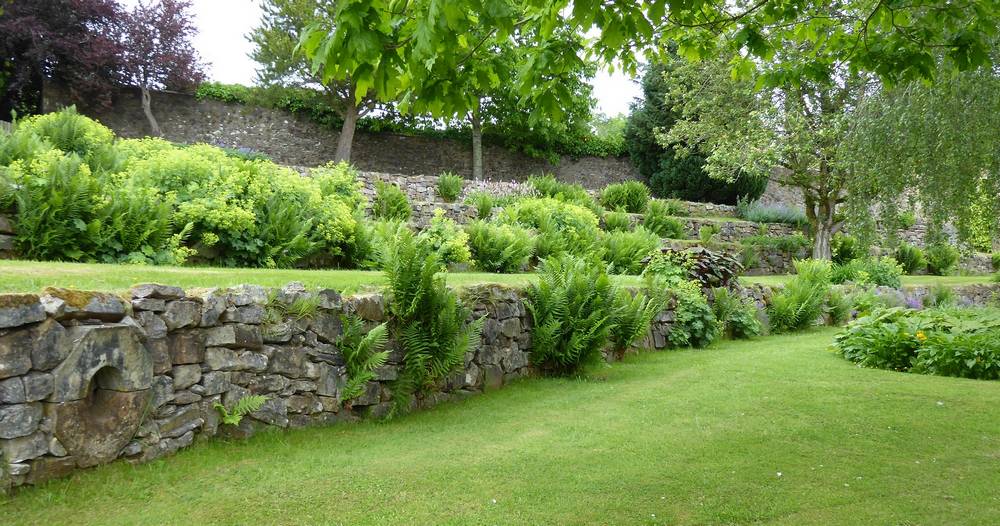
x=447 y=239
x=562 y=227
x=82 y=195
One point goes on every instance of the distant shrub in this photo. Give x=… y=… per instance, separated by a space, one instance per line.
x=800 y=303
x=628 y=196
x=659 y=221
x=390 y=203
x=500 y=248
x=617 y=222
x=446 y=239
x=792 y=244
x=884 y=271
x=695 y=324
x=758 y=213
x=708 y=233
x=846 y=248
x=910 y=258
x=668 y=267
x=907 y=220
x=939 y=295
x=736 y=314
x=483 y=203
x=69 y=131
x=562 y=227
x=941 y=259
x=624 y=252
x=995 y=261
x=548 y=186
x=449 y=186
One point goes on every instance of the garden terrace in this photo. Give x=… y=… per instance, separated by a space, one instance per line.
x=769 y=431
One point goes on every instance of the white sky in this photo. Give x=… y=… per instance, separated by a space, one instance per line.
x=221 y=41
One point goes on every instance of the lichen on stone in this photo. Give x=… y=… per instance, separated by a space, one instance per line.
x=11 y=301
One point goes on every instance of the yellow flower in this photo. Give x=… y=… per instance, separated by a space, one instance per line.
x=921 y=336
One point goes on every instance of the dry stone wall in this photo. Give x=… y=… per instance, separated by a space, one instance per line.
x=6 y=235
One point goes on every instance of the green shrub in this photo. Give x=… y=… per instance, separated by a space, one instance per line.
x=498 y=247
x=428 y=319
x=736 y=314
x=910 y=258
x=939 y=295
x=447 y=239
x=449 y=186
x=800 y=303
x=634 y=313
x=941 y=259
x=846 y=248
x=548 y=186
x=708 y=233
x=624 y=252
x=711 y=268
x=907 y=220
x=390 y=203
x=561 y=227
x=668 y=267
x=947 y=342
x=838 y=306
x=617 y=222
x=995 y=261
x=573 y=311
x=884 y=271
x=340 y=180
x=694 y=322
x=659 y=221
x=69 y=131
x=792 y=244
x=483 y=202
x=628 y=196
x=758 y=213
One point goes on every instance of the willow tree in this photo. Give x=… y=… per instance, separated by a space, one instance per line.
x=933 y=145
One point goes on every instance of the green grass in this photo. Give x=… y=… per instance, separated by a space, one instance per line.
x=775 y=431
x=33 y=276
x=908 y=281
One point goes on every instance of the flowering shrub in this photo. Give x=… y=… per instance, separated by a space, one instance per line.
x=940 y=341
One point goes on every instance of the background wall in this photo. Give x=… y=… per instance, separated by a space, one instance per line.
x=297 y=141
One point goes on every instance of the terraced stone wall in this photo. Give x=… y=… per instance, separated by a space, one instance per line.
x=6 y=236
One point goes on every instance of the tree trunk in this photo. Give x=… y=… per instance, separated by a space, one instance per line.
x=347 y=132
x=824 y=225
x=154 y=127
x=821 y=243
x=477 y=145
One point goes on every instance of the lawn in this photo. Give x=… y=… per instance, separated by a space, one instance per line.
x=776 y=431
x=33 y=276
x=908 y=281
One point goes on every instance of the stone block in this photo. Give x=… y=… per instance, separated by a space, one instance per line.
x=249 y=314
x=6 y=225
x=186 y=397
x=331 y=380
x=368 y=306
x=289 y=361
x=24 y=448
x=37 y=386
x=329 y=299
x=181 y=314
x=185 y=376
x=49 y=468
x=370 y=396
x=48 y=348
x=159 y=352
x=81 y=305
x=221 y=359
x=234 y=337
x=252 y=361
x=214 y=383
x=274 y=412
x=268 y=383
x=511 y=327
x=182 y=422
x=162 y=392
x=247 y=295
x=113 y=348
x=213 y=304
x=156 y=291
x=12 y=391
x=387 y=373
x=306 y=403
x=277 y=332
x=20 y=309
x=95 y=429
x=492 y=376
x=150 y=304
x=154 y=325
x=186 y=347
x=19 y=420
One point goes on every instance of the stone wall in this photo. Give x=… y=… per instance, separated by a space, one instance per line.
x=294 y=140
x=6 y=236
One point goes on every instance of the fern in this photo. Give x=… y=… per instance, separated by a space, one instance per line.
x=246 y=405
x=364 y=353
x=633 y=316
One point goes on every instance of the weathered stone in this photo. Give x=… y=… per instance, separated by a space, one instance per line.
x=48 y=348
x=214 y=383
x=491 y=330
x=489 y=355
x=472 y=376
x=156 y=291
x=159 y=352
x=326 y=354
x=49 y=468
x=15 y=353
x=329 y=299
x=88 y=305
x=12 y=391
x=132 y=449
x=181 y=314
x=96 y=428
x=289 y=361
x=172 y=445
x=370 y=396
x=306 y=403
x=185 y=376
x=252 y=361
x=327 y=326
x=276 y=332
x=234 y=395
x=387 y=373
x=211 y=415
x=213 y=304
x=19 y=469
x=20 y=309
x=221 y=359
x=37 y=386
x=250 y=314
x=186 y=397
x=24 y=447
x=492 y=376
x=273 y=412
x=510 y=327
x=54 y=307
x=329 y=403
x=165 y=411
x=154 y=325
x=368 y=306
x=302 y=386
x=19 y=420
x=56 y=448
x=268 y=383
x=150 y=304
x=331 y=380
x=234 y=337
x=247 y=295
x=185 y=420
x=6 y=225
x=186 y=347
x=114 y=349
x=162 y=392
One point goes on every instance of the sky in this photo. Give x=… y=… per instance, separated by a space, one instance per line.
x=221 y=41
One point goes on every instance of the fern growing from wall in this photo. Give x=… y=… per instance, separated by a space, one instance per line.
x=363 y=352
x=246 y=405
